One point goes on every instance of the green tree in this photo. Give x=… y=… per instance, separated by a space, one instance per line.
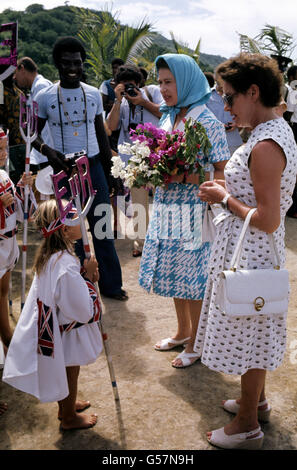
x=183 y=48
x=105 y=38
x=270 y=40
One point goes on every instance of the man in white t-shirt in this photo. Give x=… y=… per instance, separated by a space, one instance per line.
x=73 y=111
x=27 y=77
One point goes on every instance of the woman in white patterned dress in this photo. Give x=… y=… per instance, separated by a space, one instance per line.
x=260 y=174
x=174 y=261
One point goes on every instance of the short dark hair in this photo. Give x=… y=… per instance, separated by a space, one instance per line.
x=28 y=64
x=68 y=44
x=128 y=72
x=143 y=73
x=291 y=72
x=247 y=69
x=117 y=61
x=210 y=78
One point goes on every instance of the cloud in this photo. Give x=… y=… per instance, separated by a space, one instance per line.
x=216 y=22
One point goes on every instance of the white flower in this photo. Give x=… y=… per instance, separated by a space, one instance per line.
x=125 y=148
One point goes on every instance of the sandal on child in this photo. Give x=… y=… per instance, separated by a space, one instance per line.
x=164 y=344
x=186 y=359
x=243 y=440
x=263 y=415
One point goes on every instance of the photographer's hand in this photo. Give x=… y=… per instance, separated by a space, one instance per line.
x=119 y=91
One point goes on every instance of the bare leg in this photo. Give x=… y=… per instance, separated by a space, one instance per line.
x=183 y=320
x=70 y=418
x=194 y=309
x=5 y=329
x=252 y=386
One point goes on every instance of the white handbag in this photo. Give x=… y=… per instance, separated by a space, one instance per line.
x=246 y=292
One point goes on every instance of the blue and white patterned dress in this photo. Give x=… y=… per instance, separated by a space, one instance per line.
x=174 y=260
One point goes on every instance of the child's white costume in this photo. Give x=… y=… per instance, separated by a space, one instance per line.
x=9 y=216
x=9 y=251
x=48 y=336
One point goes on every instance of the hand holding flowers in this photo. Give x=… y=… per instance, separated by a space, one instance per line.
x=157 y=155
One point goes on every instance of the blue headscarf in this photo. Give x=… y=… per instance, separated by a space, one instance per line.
x=192 y=86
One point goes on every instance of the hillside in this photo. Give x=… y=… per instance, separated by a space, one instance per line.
x=38 y=29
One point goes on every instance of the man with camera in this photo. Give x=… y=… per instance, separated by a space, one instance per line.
x=131 y=107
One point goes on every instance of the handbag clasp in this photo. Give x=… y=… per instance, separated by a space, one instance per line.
x=259 y=303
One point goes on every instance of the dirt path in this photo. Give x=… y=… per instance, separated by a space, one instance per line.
x=160 y=407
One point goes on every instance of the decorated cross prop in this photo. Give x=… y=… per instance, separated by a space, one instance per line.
x=28 y=120
x=28 y=129
x=80 y=188
x=11 y=60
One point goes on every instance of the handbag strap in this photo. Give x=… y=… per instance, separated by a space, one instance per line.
x=237 y=252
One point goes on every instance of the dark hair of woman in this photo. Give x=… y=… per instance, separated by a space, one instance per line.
x=162 y=64
x=245 y=70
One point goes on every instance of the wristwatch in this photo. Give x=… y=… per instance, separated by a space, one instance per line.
x=225 y=200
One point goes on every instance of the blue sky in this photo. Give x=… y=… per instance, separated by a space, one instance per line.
x=216 y=22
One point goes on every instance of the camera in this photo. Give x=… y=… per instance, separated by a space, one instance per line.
x=130 y=89
x=228 y=126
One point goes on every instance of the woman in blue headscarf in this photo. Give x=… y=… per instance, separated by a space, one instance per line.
x=174 y=259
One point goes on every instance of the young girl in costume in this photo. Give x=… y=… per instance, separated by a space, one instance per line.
x=57 y=331
x=11 y=211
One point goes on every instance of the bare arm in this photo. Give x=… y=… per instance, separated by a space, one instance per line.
x=267 y=163
x=113 y=119
x=139 y=100
x=55 y=158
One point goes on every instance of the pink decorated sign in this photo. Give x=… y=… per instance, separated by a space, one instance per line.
x=79 y=187
x=11 y=43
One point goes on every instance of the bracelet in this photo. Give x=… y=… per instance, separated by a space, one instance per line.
x=225 y=200
x=41 y=147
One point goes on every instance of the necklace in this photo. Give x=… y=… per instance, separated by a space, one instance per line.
x=85 y=121
x=66 y=114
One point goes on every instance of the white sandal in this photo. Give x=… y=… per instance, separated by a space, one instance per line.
x=186 y=359
x=164 y=344
x=243 y=440
x=263 y=415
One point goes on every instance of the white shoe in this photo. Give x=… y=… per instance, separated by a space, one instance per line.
x=243 y=440
x=170 y=343
x=186 y=359
x=263 y=415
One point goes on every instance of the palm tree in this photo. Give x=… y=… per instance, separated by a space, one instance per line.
x=182 y=48
x=276 y=40
x=271 y=39
x=105 y=38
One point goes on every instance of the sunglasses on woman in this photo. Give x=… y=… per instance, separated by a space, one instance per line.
x=228 y=99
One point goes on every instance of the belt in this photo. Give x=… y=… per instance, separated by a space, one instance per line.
x=6 y=235
x=39 y=166
x=94 y=160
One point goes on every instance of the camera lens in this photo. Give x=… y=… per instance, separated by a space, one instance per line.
x=130 y=89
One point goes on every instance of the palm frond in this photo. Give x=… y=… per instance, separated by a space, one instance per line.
x=276 y=40
x=133 y=41
x=248 y=44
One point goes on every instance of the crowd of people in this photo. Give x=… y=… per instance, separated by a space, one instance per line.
x=252 y=164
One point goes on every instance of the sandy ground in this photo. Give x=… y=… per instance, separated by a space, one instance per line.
x=160 y=407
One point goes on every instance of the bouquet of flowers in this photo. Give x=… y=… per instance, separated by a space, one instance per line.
x=158 y=155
